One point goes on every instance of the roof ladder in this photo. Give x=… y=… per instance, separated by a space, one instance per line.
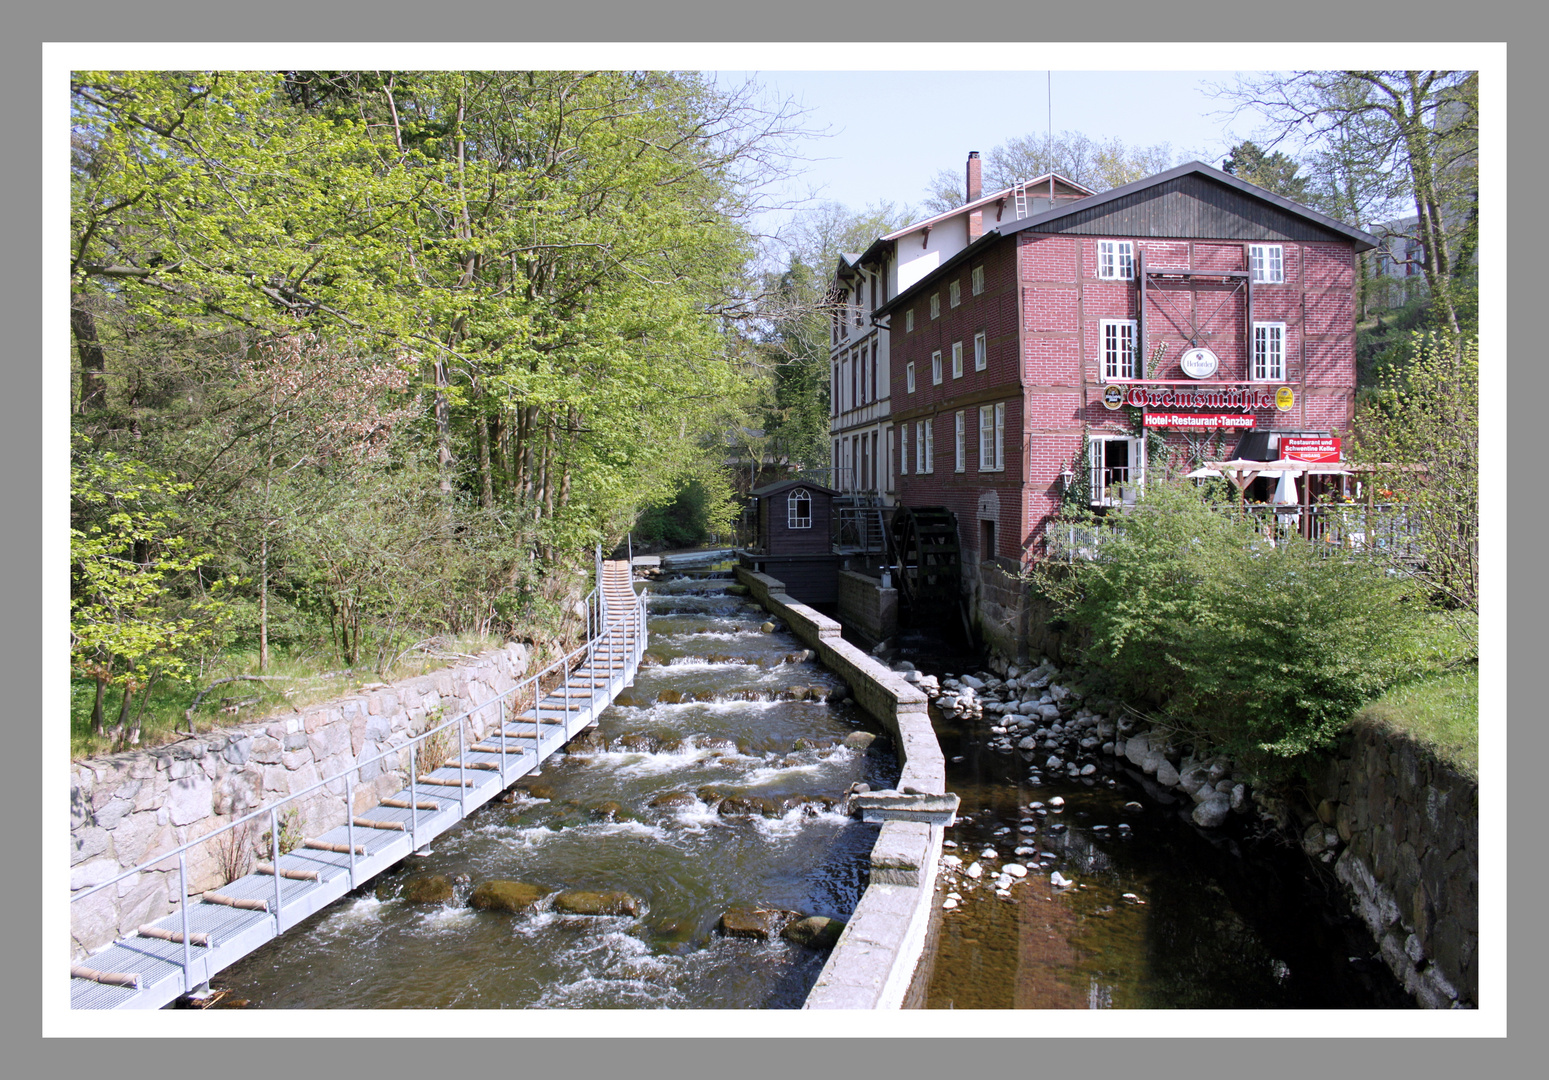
x=1019 y=192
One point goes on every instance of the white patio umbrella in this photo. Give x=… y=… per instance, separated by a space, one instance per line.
x=1285 y=490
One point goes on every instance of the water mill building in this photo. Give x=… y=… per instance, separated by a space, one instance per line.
x=1046 y=343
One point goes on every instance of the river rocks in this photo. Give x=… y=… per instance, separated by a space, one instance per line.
x=673 y=800
x=1213 y=811
x=427 y=889
x=814 y=931
x=580 y=902
x=608 y=810
x=859 y=740
x=757 y=923
x=747 y=806
x=1136 y=748
x=767 y=627
x=589 y=742
x=512 y=896
x=1166 y=775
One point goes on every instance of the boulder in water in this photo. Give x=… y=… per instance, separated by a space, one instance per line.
x=768 y=627
x=674 y=798
x=608 y=811
x=579 y=902
x=590 y=741
x=757 y=923
x=859 y=740
x=512 y=896
x=815 y=931
x=428 y=889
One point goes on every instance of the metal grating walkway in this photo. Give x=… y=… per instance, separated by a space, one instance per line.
x=480 y=773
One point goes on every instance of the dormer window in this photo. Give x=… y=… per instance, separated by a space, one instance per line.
x=798 y=506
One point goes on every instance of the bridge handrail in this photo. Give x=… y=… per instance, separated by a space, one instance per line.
x=613 y=626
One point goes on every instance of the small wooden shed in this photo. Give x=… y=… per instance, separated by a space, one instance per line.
x=793 y=517
x=793 y=543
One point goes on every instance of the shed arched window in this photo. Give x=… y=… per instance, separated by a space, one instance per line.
x=799 y=509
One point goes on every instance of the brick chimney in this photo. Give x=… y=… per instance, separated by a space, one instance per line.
x=975 y=190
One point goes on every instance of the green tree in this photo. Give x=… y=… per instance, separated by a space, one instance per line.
x=1420 y=433
x=139 y=610
x=1421 y=127
x=1274 y=172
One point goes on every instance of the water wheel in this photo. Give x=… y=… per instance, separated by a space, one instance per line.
x=929 y=558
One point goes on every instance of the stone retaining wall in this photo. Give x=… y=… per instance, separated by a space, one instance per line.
x=867 y=607
x=874 y=960
x=127 y=808
x=1409 y=829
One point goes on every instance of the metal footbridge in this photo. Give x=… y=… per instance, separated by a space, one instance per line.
x=178 y=954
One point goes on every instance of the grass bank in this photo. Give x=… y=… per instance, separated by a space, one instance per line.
x=233 y=692
x=1439 y=712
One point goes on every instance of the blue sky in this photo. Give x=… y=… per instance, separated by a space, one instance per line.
x=891 y=131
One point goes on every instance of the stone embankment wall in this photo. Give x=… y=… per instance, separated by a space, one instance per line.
x=867 y=607
x=127 y=808
x=875 y=959
x=1403 y=832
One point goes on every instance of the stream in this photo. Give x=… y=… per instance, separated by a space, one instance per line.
x=1161 y=915
x=713 y=781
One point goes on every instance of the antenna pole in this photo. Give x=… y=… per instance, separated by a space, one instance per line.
x=1048 y=93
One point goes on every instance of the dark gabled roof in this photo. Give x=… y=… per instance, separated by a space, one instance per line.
x=781 y=485
x=1093 y=207
x=1089 y=206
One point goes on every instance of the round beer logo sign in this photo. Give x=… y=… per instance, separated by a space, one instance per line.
x=1285 y=397
x=1113 y=397
x=1198 y=363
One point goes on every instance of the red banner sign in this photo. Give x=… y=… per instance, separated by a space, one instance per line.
x=1321 y=449
x=1201 y=397
x=1199 y=421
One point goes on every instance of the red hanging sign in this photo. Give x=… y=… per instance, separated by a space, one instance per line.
x=1320 y=449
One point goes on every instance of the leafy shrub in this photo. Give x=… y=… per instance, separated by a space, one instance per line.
x=1262 y=650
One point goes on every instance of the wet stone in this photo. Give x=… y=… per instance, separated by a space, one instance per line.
x=427 y=889
x=759 y=924
x=511 y=896
x=580 y=902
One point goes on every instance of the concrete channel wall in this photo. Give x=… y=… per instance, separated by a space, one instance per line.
x=873 y=963
x=126 y=808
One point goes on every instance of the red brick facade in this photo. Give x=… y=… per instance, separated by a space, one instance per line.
x=1041 y=311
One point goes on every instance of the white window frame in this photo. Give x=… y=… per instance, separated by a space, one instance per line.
x=924 y=447
x=1130 y=487
x=981 y=352
x=935 y=305
x=954 y=293
x=792 y=519
x=962 y=441
x=1117 y=363
x=903 y=449
x=935 y=368
x=977 y=275
x=909 y=376
x=992 y=437
x=909 y=320
x=957 y=359
x=1268 y=364
x=1116 y=260
x=1267 y=263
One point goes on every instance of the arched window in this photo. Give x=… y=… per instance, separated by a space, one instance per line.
x=799 y=509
